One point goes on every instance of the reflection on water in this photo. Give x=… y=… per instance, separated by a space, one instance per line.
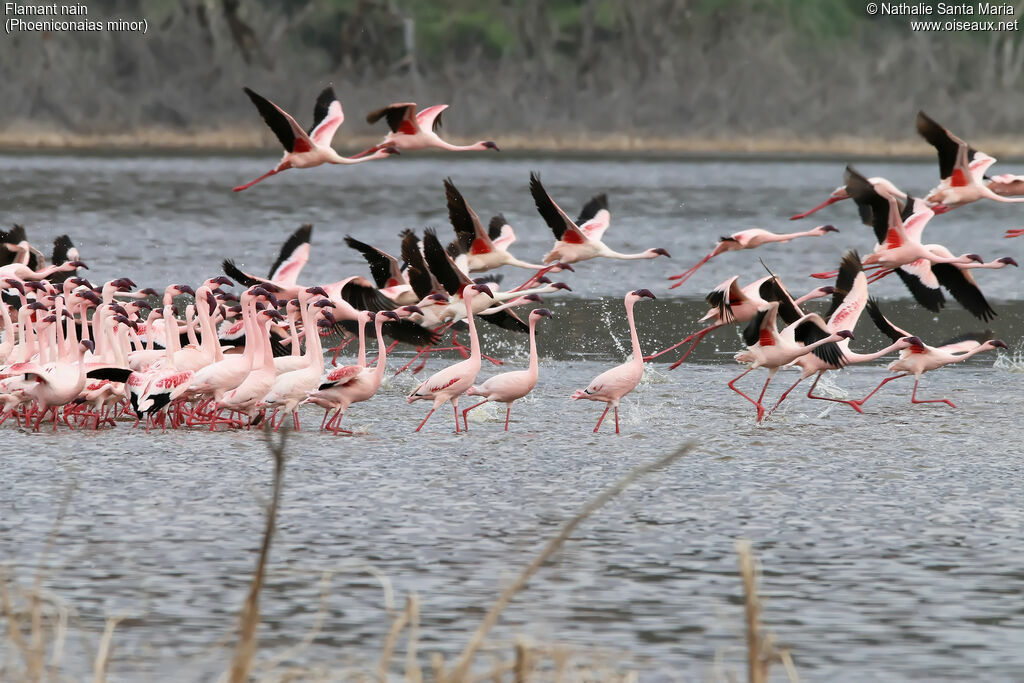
x=890 y=541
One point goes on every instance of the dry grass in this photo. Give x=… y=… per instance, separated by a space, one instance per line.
x=252 y=138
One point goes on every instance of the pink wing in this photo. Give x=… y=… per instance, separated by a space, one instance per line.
x=506 y=239
x=342 y=375
x=425 y=119
x=324 y=133
x=288 y=272
x=596 y=226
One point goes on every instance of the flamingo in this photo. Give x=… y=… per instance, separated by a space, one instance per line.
x=731 y=304
x=449 y=384
x=573 y=244
x=411 y=131
x=848 y=301
x=920 y=358
x=769 y=348
x=748 y=239
x=343 y=386
x=509 y=386
x=386 y=272
x=961 y=168
x=302 y=149
x=611 y=385
x=54 y=385
x=882 y=185
x=483 y=249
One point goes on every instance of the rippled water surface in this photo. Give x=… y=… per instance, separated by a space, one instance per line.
x=890 y=541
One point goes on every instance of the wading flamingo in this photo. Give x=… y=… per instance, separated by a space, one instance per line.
x=510 y=386
x=611 y=385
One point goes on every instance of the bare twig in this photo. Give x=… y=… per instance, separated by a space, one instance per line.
x=461 y=671
x=249 y=620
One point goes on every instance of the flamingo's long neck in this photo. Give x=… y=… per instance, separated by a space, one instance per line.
x=444 y=144
x=252 y=330
x=976 y=350
x=361 y=361
x=171 y=334
x=513 y=261
x=608 y=253
x=474 y=341
x=998 y=197
x=868 y=357
x=190 y=328
x=638 y=356
x=533 y=369
x=314 y=350
x=382 y=349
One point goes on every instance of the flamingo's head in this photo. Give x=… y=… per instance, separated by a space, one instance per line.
x=1007 y=261
x=643 y=294
x=822 y=229
x=90 y=296
x=221 y=280
x=487 y=144
x=556 y=267
x=658 y=251
x=142 y=303
x=16 y=284
x=323 y=303
x=483 y=289
x=997 y=344
x=974 y=257
x=119 y=310
x=411 y=310
x=531 y=297
x=148 y=291
x=316 y=290
x=438 y=298
x=561 y=285
x=183 y=289
x=542 y=279
x=389 y=314
x=73 y=265
x=845 y=334
x=540 y=313
x=87 y=344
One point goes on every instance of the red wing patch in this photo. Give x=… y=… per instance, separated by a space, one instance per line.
x=918 y=349
x=892 y=240
x=958 y=179
x=765 y=338
x=452 y=381
x=392 y=282
x=406 y=127
x=573 y=237
x=301 y=145
x=174 y=381
x=480 y=247
x=345 y=372
x=135 y=380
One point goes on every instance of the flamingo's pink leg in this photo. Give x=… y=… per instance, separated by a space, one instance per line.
x=253 y=182
x=616 y=419
x=811 y=394
x=915 y=399
x=606 y=407
x=425 y=420
x=685 y=275
x=465 y=420
x=508 y=414
x=880 y=385
x=785 y=394
x=732 y=385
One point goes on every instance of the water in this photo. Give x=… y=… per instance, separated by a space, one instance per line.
x=890 y=541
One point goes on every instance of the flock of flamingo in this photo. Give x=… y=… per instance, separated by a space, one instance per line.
x=88 y=356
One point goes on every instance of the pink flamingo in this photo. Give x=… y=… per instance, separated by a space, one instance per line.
x=961 y=168
x=882 y=185
x=731 y=304
x=851 y=295
x=412 y=131
x=748 y=239
x=611 y=385
x=769 y=348
x=572 y=243
x=510 y=386
x=301 y=149
x=449 y=384
x=920 y=358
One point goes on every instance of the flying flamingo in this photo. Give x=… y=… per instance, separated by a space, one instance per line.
x=412 y=131
x=848 y=301
x=449 y=384
x=611 y=385
x=730 y=304
x=302 y=149
x=920 y=358
x=386 y=272
x=509 y=386
x=961 y=168
x=883 y=186
x=483 y=249
x=748 y=239
x=573 y=244
x=769 y=348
